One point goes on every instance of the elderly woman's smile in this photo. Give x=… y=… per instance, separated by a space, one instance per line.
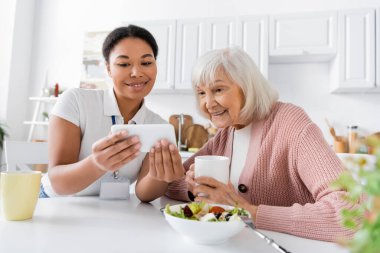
x=215 y=114
x=222 y=101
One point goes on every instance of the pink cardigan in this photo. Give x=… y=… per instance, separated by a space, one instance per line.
x=288 y=171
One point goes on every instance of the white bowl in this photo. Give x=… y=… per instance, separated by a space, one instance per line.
x=204 y=232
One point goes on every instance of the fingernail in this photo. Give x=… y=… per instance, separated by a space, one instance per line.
x=138 y=146
x=135 y=139
x=157 y=145
x=171 y=147
x=152 y=150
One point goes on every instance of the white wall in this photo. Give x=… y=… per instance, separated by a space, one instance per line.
x=307 y=85
x=16 y=37
x=58 y=38
x=21 y=65
x=7 y=16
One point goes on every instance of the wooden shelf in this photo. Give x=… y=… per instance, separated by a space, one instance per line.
x=36 y=123
x=44 y=99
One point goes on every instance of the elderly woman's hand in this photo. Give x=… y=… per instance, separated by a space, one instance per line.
x=190 y=178
x=165 y=163
x=112 y=152
x=215 y=192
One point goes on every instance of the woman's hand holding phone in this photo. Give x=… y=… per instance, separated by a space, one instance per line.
x=112 y=152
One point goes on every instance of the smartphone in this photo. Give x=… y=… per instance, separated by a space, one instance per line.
x=149 y=134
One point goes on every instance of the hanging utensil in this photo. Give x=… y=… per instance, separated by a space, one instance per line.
x=332 y=130
x=196 y=136
x=175 y=120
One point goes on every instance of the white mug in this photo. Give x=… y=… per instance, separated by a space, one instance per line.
x=217 y=167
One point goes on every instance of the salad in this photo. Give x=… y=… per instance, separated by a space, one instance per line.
x=201 y=211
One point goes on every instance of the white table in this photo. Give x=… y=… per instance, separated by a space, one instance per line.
x=88 y=224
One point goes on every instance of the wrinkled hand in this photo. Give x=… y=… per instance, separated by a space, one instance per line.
x=112 y=152
x=165 y=163
x=217 y=192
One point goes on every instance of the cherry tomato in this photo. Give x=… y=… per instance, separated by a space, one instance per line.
x=216 y=209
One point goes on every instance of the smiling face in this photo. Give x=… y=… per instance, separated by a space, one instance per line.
x=222 y=101
x=133 y=69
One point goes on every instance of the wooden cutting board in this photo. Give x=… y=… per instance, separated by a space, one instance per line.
x=174 y=120
x=196 y=136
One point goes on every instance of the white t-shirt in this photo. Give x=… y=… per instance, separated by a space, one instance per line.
x=91 y=110
x=239 y=153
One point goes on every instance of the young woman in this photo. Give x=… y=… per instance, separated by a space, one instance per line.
x=82 y=153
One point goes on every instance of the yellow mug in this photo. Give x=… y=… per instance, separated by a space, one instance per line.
x=19 y=193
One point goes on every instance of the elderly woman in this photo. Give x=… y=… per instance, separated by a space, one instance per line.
x=281 y=166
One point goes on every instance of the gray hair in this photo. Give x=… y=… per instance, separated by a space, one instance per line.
x=242 y=70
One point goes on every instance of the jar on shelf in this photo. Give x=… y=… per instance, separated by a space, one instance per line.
x=340 y=144
x=362 y=146
x=56 y=90
x=352 y=138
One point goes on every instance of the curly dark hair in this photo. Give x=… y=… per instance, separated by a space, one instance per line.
x=131 y=31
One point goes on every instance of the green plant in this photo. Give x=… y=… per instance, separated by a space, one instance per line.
x=366 y=218
x=3 y=134
x=45 y=116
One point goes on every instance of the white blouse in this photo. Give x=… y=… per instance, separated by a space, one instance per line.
x=91 y=111
x=239 y=153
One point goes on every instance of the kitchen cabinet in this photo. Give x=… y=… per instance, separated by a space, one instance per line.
x=164 y=32
x=181 y=42
x=195 y=37
x=252 y=36
x=190 y=44
x=302 y=37
x=353 y=70
x=220 y=33
x=347 y=39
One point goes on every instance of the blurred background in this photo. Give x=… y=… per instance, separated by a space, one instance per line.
x=50 y=43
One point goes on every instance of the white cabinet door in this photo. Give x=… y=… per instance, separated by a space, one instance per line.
x=190 y=44
x=302 y=37
x=252 y=36
x=220 y=33
x=164 y=33
x=355 y=63
x=195 y=37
